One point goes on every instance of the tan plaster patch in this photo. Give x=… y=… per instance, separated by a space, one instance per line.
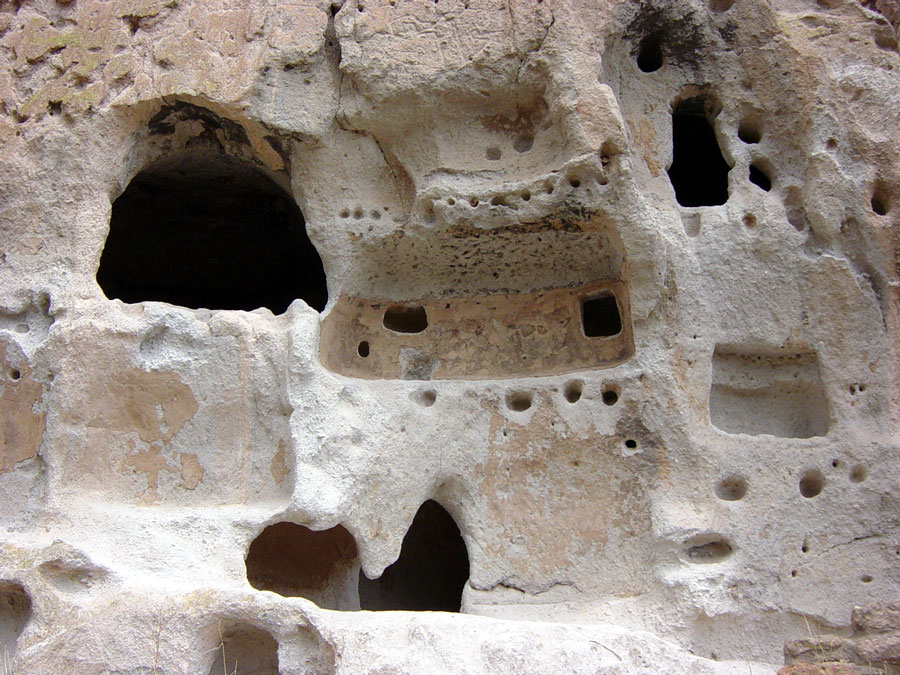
x=278 y=467
x=117 y=402
x=149 y=461
x=527 y=483
x=21 y=428
x=191 y=470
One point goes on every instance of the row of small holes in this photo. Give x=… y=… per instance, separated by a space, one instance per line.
x=811 y=483
x=519 y=401
x=524 y=195
x=358 y=213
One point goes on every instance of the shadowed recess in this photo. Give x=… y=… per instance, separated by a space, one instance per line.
x=405 y=318
x=210 y=231
x=430 y=573
x=699 y=173
x=15 y=611
x=600 y=316
x=245 y=649
x=293 y=560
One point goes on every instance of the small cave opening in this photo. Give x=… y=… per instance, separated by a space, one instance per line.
x=760 y=178
x=295 y=561
x=15 y=612
x=245 y=649
x=600 y=316
x=650 y=57
x=699 y=173
x=431 y=572
x=204 y=229
x=405 y=318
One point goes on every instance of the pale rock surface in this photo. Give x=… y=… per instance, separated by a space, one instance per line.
x=667 y=432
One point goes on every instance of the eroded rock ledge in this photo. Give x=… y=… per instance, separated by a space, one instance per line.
x=447 y=336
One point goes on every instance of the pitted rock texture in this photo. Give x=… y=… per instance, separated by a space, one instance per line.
x=873 y=647
x=578 y=319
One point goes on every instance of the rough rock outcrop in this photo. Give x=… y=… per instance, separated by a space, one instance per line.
x=580 y=318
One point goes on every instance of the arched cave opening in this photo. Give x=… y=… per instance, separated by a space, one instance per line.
x=430 y=573
x=15 y=612
x=294 y=561
x=699 y=173
x=245 y=649
x=208 y=230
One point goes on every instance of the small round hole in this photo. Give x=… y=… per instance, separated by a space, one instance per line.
x=358 y=213
x=811 y=484
x=749 y=133
x=493 y=153
x=474 y=201
x=793 y=573
x=831 y=145
x=630 y=443
x=345 y=213
x=14 y=374
x=573 y=391
x=879 y=204
x=804 y=548
x=610 y=396
x=526 y=195
x=425 y=397
x=866 y=578
x=749 y=221
x=575 y=182
x=523 y=143
x=376 y=215
x=451 y=201
x=363 y=349
x=858 y=474
x=731 y=489
x=518 y=401
x=835 y=463
x=650 y=57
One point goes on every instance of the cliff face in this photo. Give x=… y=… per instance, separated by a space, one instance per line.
x=577 y=313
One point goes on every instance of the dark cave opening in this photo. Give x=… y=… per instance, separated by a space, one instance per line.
x=210 y=231
x=431 y=572
x=699 y=173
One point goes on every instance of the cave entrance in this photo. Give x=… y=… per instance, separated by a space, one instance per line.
x=294 y=561
x=208 y=230
x=245 y=649
x=699 y=173
x=430 y=573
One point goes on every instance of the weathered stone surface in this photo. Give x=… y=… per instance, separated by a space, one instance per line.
x=877 y=617
x=603 y=294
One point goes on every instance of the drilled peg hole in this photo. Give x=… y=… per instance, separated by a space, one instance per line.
x=811 y=483
x=573 y=390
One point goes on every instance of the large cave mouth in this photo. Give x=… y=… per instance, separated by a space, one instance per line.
x=699 y=172
x=208 y=230
x=431 y=572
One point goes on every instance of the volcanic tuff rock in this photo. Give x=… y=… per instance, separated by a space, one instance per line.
x=580 y=318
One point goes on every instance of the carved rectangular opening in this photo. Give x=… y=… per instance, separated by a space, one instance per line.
x=763 y=393
x=600 y=316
